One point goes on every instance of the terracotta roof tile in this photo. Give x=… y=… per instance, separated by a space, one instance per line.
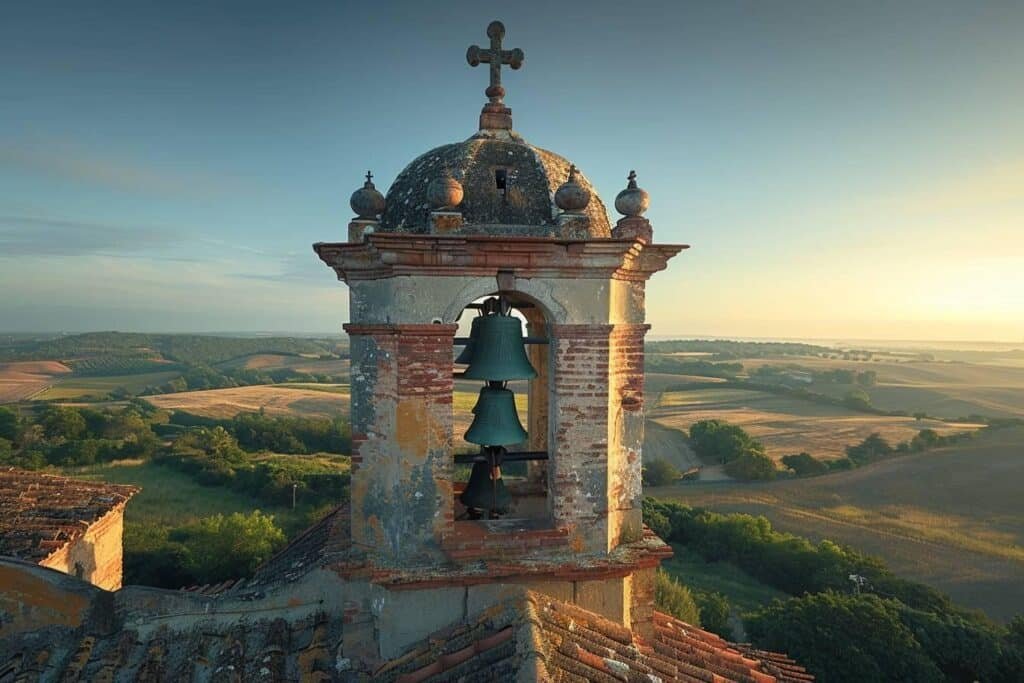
x=567 y=643
x=42 y=513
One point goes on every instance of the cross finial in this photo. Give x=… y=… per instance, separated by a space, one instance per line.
x=369 y=179
x=495 y=57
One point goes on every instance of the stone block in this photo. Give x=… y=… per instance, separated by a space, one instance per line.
x=405 y=617
x=607 y=598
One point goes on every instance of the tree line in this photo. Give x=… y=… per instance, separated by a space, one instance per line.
x=850 y=618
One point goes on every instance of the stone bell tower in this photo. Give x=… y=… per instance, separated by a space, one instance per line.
x=496 y=217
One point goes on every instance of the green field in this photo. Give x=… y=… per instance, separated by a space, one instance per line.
x=77 y=388
x=745 y=593
x=171 y=497
x=952 y=518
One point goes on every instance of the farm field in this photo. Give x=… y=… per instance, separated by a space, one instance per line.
x=78 y=388
x=20 y=381
x=950 y=518
x=943 y=389
x=274 y=361
x=273 y=399
x=787 y=425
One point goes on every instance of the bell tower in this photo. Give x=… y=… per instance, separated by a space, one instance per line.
x=510 y=243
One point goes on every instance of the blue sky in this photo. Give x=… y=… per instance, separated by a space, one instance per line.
x=841 y=169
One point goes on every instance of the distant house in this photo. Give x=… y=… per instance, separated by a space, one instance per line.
x=70 y=525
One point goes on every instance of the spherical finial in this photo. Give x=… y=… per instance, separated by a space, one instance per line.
x=367 y=202
x=571 y=196
x=495 y=29
x=444 y=192
x=632 y=201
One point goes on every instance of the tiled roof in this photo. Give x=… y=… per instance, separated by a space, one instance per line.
x=41 y=513
x=268 y=651
x=313 y=547
x=550 y=640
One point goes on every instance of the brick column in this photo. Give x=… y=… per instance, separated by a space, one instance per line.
x=625 y=432
x=578 y=416
x=401 y=437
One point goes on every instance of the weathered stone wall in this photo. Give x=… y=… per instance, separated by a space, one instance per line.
x=402 y=384
x=97 y=555
x=625 y=420
x=578 y=406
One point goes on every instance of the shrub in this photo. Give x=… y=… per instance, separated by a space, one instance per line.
x=719 y=441
x=659 y=472
x=714 y=614
x=804 y=465
x=752 y=465
x=224 y=547
x=672 y=597
x=843 y=638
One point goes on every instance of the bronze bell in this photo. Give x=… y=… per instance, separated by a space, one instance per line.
x=466 y=356
x=495 y=421
x=485 y=490
x=498 y=350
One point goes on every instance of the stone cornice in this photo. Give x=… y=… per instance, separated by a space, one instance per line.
x=385 y=255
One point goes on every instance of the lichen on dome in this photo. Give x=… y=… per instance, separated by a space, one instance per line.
x=482 y=164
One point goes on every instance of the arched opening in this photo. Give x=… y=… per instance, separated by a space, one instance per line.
x=524 y=469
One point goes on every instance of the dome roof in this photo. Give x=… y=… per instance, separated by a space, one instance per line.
x=508 y=184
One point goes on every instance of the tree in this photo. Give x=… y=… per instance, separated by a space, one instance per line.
x=804 y=464
x=8 y=424
x=672 y=597
x=870 y=449
x=222 y=548
x=659 y=472
x=62 y=423
x=857 y=399
x=714 y=613
x=719 y=441
x=842 y=638
x=751 y=465
x=868 y=378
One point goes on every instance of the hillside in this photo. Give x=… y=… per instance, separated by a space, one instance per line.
x=950 y=518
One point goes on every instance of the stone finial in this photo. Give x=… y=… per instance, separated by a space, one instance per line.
x=632 y=201
x=367 y=202
x=571 y=196
x=495 y=115
x=444 y=192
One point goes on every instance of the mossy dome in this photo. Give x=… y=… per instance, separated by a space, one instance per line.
x=508 y=188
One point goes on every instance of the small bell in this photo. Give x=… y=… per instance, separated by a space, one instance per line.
x=485 y=490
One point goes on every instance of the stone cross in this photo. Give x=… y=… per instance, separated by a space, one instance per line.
x=495 y=56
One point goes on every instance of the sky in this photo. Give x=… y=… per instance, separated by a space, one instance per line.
x=840 y=170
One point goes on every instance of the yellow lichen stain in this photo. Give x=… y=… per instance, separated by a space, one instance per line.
x=294 y=602
x=577 y=543
x=35 y=602
x=412 y=427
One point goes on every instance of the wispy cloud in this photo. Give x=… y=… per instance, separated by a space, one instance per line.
x=294 y=267
x=74 y=162
x=32 y=236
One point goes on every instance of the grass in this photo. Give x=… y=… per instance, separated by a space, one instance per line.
x=169 y=497
x=745 y=593
x=84 y=387
x=273 y=399
x=944 y=389
x=785 y=424
x=951 y=517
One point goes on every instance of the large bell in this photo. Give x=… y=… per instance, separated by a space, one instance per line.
x=495 y=420
x=467 y=352
x=498 y=351
x=485 y=490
